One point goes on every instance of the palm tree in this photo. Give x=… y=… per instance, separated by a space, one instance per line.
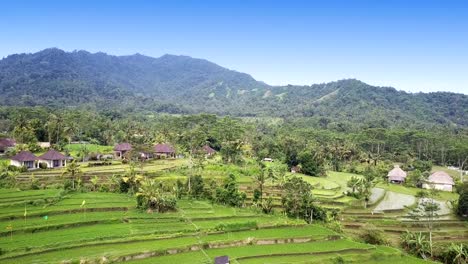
x=149 y=193
x=73 y=170
x=94 y=181
x=260 y=178
x=354 y=183
x=272 y=176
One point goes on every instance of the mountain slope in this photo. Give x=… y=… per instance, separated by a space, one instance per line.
x=181 y=84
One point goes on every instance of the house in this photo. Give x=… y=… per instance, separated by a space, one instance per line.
x=53 y=159
x=44 y=145
x=295 y=169
x=439 y=180
x=164 y=151
x=222 y=260
x=267 y=159
x=24 y=159
x=6 y=144
x=121 y=149
x=208 y=150
x=396 y=175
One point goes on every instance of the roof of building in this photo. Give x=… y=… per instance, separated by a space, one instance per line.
x=208 y=149
x=52 y=155
x=440 y=177
x=44 y=144
x=24 y=156
x=7 y=142
x=123 y=147
x=222 y=260
x=396 y=174
x=163 y=148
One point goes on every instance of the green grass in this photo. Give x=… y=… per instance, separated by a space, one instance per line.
x=74 y=149
x=413 y=191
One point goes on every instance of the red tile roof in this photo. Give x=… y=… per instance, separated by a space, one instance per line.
x=24 y=156
x=52 y=155
x=163 y=148
x=123 y=147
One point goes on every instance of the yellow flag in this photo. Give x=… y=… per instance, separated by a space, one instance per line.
x=83 y=203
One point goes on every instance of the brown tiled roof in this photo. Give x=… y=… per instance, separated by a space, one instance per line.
x=7 y=142
x=208 y=149
x=52 y=155
x=397 y=174
x=440 y=177
x=163 y=148
x=123 y=147
x=24 y=156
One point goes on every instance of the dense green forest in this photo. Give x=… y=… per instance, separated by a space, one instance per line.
x=184 y=85
x=287 y=140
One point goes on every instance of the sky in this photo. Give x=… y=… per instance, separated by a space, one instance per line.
x=410 y=45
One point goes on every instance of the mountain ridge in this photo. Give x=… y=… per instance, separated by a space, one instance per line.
x=182 y=84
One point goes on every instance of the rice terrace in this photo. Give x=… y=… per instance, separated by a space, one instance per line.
x=121 y=143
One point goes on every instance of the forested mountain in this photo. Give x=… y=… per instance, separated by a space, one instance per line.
x=181 y=84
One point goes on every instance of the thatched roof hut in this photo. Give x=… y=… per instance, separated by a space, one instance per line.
x=396 y=175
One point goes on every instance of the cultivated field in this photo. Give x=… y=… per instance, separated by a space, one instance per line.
x=57 y=229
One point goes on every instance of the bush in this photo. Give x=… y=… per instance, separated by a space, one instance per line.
x=43 y=165
x=13 y=168
x=339 y=260
x=102 y=163
x=236 y=226
x=68 y=184
x=372 y=235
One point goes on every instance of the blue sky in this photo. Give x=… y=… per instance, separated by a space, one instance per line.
x=410 y=45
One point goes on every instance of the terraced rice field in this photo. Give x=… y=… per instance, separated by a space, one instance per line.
x=393 y=201
x=110 y=228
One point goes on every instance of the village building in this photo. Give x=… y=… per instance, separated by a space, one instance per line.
x=53 y=159
x=209 y=151
x=439 y=180
x=295 y=169
x=6 y=144
x=121 y=149
x=164 y=151
x=44 y=145
x=396 y=175
x=222 y=260
x=267 y=159
x=24 y=159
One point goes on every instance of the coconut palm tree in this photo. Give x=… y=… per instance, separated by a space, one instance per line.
x=73 y=170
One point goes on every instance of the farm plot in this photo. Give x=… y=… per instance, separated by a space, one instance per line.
x=395 y=202
x=195 y=233
x=377 y=195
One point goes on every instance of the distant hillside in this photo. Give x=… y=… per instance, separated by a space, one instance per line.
x=181 y=84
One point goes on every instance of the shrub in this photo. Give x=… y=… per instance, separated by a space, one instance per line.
x=236 y=226
x=13 y=168
x=102 y=163
x=372 y=235
x=338 y=260
x=68 y=184
x=43 y=165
